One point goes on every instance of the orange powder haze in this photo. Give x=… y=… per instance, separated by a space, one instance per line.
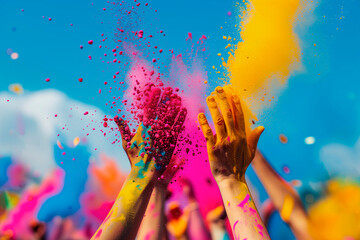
x=269 y=50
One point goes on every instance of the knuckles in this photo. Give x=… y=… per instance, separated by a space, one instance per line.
x=229 y=114
x=220 y=120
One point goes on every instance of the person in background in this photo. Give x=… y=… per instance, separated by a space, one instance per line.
x=283 y=197
x=335 y=216
x=216 y=220
x=153 y=226
x=178 y=221
x=197 y=227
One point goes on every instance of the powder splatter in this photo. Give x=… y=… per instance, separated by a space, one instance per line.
x=270 y=44
x=243 y=202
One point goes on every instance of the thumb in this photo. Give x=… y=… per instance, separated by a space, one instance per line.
x=253 y=139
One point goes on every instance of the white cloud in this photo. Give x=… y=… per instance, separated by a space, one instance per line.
x=29 y=128
x=340 y=160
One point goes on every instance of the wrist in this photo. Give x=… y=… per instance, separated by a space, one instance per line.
x=230 y=182
x=142 y=178
x=227 y=179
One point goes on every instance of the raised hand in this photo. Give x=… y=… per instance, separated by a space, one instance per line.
x=230 y=152
x=150 y=152
x=151 y=148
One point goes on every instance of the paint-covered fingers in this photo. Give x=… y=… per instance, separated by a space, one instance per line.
x=239 y=114
x=177 y=127
x=217 y=118
x=170 y=171
x=151 y=104
x=124 y=130
x=180 y=120
x=253 y=139
x=173 y=107
x=226 y=110
x=208 y=134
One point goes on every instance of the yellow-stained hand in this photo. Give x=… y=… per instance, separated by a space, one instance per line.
x=230 y=150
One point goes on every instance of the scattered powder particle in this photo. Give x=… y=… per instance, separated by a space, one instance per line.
x=283 y=139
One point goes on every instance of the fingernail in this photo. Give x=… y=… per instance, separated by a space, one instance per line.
x=202 y=116
x=211 y=99
x=219 y=89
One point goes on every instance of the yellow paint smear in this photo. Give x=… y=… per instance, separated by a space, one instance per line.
x=269 y=49
x=287 y=208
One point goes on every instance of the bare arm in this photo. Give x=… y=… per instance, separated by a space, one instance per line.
x=197 y=228
x=126 y=214
x=283 y=196
x=230 y=153
x=153 y=224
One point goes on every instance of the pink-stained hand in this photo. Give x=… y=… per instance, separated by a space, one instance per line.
x=151 y=149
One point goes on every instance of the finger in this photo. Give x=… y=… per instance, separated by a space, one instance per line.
x=171 y=169
x=172 y=105
x=226 y=111
x=208 y=134
x=124 y=130
x=168 y=108
x=217 y=118
x=172 y=136
x=151 y=103
x=239 y=114
x=180 y=120
x=253 y=139
x=177 y=127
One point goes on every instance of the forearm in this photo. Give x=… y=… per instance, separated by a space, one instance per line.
x=285 y=199
x=123 y=220
x=152 y=226
x=241 y=210
x=197 y=227
x=276 y=187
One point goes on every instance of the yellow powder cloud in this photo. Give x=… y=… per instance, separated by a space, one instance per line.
x=269 y=49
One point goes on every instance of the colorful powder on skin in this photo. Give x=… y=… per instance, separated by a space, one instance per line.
x=237 y=221
x=243 y=202
x=270 y=44
x=98 y=234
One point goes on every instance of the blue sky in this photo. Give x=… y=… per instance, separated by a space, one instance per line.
x=325 y=106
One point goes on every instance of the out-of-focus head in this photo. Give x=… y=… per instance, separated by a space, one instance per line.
x=175 y=211
x=187 y=188
x=38 y=228
x=337 y=216
x=216 y=215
